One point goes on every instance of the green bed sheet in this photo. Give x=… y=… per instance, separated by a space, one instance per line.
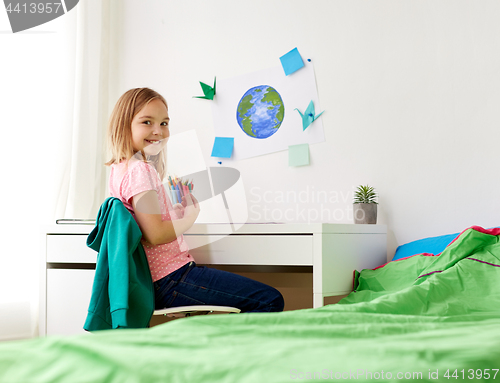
x=425 y=318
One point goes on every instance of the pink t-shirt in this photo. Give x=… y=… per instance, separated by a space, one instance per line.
x=126 y=182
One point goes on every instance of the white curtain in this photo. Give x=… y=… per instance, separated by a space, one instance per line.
x=83 y=182
x=54 y=109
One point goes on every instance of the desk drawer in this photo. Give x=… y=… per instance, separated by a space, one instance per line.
x=286 y=250
x=68 y=298
x=69 y=249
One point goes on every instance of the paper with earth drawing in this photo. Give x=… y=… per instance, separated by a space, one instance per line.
x=257 y=109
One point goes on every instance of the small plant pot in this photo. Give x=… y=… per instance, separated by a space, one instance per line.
x=365 y=213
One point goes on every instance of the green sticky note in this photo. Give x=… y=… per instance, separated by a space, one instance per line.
x=298 y=155
x=223 y=147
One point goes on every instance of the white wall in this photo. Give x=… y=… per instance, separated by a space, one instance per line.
x=411 y=93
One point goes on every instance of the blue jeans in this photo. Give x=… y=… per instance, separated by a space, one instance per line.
x=199 y=285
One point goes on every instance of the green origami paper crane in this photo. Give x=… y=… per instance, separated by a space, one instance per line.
x=208 y=91
x=308 y=117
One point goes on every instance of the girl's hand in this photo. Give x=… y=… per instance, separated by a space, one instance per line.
x=179 y=209
x=191 y=207
x=148 y=213
x=184 y=201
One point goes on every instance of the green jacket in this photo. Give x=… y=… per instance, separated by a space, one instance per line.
x=122 y=293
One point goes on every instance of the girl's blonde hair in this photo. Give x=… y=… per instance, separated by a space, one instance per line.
x=119 y=135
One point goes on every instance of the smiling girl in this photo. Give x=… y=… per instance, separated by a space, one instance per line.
x=138 y=134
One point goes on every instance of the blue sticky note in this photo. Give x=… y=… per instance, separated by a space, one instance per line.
x=292 y=61
x=298 y=155
x=223 y=147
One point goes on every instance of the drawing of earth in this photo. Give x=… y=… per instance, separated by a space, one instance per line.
x=260 y=111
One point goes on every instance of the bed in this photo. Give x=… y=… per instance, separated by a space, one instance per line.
x=424 y=317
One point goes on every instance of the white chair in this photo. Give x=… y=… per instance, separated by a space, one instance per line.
x=186 y=311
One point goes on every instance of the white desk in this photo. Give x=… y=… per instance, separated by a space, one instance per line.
x=333 y=250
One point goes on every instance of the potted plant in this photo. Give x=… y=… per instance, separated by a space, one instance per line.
x=365 y=205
